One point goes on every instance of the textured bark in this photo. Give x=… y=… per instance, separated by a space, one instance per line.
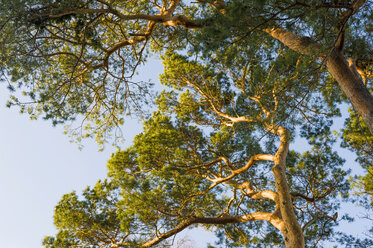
x=293 y=234
x=352 y=86
x=300 y=44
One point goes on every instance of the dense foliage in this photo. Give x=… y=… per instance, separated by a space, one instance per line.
x=244 y=79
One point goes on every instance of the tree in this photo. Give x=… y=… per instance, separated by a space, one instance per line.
x=246 y=78
x=200 y=162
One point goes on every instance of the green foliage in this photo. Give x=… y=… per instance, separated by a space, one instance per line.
x=61 y=58
x=92 y=221
x=357 y=138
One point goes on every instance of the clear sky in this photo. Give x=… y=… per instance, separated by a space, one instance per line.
x=38 y=165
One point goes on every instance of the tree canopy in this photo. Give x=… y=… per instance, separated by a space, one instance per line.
x=243 y=77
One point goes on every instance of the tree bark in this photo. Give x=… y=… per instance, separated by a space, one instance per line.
x=352 y=85
x=293 y=234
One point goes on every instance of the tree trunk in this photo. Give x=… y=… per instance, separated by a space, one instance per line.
x=293 y=234
x=352 y=86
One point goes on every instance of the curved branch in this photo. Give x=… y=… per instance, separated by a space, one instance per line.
x=218 y=180
x=226 y=219
x=351 y=85
x=364 y=68
x=247 y=166
x=233 y=119
x=209 y=163
x=268 y=194
x=165 y=17
x=312 y=199
x=293 y=233
x=317 y=217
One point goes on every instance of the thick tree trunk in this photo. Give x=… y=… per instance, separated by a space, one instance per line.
x=352 y=86
x=293 y=234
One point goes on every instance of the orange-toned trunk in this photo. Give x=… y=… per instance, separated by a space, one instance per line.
x=352 y=86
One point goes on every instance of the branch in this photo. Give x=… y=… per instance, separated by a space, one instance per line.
x=268 y=194
x=165 y=17
x=247 y=166
x=286 y=208
x=181 y=20
x=312 y=199
x=365 y=68
x=218 y=180
x=209 y=163
x=301 y=44
x=307 y=46
x=217 y=110
x=351 y=10
x=319 y=216
x=226 y=219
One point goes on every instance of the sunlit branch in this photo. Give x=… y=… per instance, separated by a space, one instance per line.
x=226 y=219
x=301 y=44
x=217 y=109
x=251 y=162
x=218 y=180
x=205 y=165
x=247 y=189
x=166 y=16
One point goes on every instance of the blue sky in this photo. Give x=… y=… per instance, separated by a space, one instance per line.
x=38 y=165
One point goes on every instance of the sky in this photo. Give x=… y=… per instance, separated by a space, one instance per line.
x=38 y=165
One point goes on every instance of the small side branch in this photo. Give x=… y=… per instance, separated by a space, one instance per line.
x=317 y=217
x=217 y=110
x=251 y=162
x=247 y=189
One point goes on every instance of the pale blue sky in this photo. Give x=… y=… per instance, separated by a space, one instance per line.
x=38 y=165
